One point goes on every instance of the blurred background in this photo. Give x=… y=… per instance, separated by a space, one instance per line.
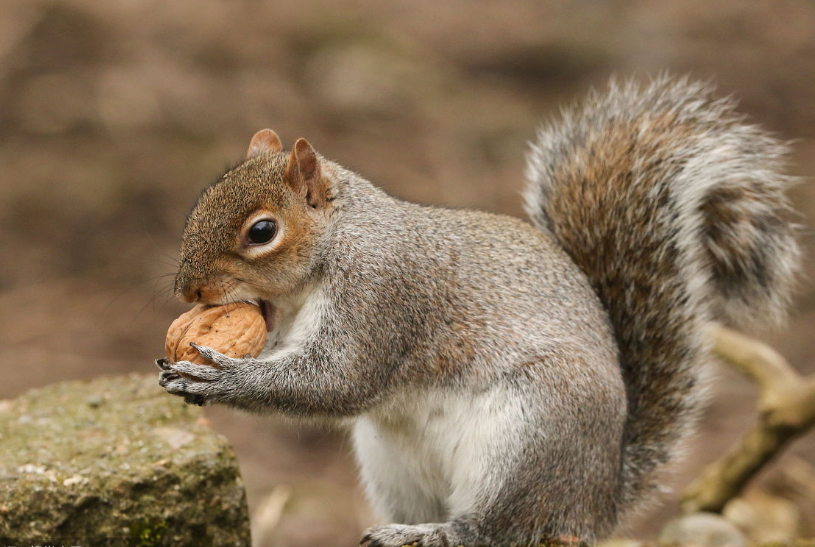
x=114 y=115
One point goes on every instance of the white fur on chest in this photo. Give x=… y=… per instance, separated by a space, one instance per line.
x=432 y=455
x=296 y=318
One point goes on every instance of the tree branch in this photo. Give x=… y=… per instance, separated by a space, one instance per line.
x=786 y=410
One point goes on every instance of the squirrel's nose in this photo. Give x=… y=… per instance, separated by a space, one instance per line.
x=188 y=292
x=191 y=296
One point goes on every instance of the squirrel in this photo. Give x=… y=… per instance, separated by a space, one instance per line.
x=506 y=382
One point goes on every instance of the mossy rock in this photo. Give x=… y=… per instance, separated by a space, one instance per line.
x=116 y=461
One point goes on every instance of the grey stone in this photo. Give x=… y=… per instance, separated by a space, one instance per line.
x=116 y=461
x=703 y=530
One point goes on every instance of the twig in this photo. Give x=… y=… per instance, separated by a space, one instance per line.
x=786 y=410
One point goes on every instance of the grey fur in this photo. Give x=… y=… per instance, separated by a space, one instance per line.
x=427 y=320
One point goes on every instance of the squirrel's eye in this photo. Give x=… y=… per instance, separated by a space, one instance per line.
x=262 y=231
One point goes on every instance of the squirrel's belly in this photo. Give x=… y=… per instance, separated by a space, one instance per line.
x=430 y=452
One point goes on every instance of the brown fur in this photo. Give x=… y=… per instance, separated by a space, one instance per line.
x=210 y=252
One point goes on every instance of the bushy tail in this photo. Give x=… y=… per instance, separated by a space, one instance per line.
x=674 y=208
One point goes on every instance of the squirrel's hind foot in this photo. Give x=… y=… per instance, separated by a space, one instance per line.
x=398 y=535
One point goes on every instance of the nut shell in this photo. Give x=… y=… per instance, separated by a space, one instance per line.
x=236 y=330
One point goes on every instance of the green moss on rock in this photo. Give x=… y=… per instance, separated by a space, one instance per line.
x=116 y=459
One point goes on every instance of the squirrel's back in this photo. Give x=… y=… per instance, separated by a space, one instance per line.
x=673 y=207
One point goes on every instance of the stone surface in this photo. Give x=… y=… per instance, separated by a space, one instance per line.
x=703 y=530
x=764 y=518
x=118 y=460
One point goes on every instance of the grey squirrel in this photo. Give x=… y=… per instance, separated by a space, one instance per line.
x=506 y=382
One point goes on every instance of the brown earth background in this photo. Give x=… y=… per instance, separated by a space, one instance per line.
x=114 y=115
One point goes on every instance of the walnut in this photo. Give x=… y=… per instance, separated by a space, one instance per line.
x=236 y=330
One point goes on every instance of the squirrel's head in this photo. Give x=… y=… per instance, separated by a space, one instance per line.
x=254 y=234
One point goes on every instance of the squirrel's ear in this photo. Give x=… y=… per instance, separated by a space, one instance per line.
x=263 y=142
x=304 y=175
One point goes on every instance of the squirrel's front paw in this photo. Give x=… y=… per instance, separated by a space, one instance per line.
x=201 y=384
x=175 y=384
